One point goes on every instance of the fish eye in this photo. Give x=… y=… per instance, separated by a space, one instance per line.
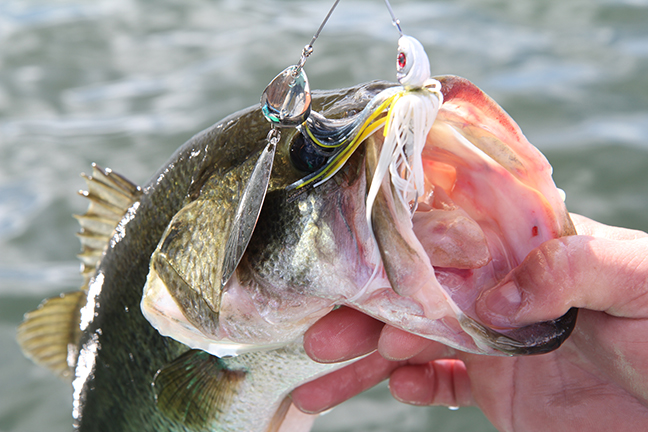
x=305 y=155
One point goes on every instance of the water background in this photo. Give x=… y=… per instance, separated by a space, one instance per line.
x=124 y=82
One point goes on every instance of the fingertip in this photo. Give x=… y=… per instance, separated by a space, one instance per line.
x=316 y=341
x=341 y=335
x=440 y=382
x=499 y=305
x=313 y=397
x=395 y=344
x=536 y=290
x=588 y=227
x=413 y=384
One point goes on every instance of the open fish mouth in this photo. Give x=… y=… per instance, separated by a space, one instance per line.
x=488 y=200
x=484 y=200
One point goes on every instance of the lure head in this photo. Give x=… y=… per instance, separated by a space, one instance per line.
x=412 y=64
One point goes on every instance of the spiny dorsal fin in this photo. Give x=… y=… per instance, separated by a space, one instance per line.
x=195 y=388
x=49 y=335
x=110 y=195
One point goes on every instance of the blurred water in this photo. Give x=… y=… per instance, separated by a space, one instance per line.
x=124 y=82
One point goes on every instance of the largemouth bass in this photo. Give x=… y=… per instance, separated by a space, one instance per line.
x=489 y=201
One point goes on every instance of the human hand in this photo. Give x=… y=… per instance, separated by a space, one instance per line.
x=598 y=379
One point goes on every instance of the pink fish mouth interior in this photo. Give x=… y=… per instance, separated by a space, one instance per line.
x=489 y=201
x=475 y=224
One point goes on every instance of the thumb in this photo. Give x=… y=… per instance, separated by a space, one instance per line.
x=577 y=271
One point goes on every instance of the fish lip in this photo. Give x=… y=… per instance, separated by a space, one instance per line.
x=533 y=339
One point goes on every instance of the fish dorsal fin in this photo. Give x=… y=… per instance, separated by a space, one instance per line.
x=110 y=195
x=49 y=335
x=196 y=388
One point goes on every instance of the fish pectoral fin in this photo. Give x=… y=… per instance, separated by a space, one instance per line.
x=288 y=418
x=50 y=334
x=280 y=415
x=196 y=388
x=110 y=195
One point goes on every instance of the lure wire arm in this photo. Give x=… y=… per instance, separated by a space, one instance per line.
x=395 y=21
x=308 y=49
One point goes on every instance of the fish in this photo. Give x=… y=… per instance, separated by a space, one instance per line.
x=164 y=336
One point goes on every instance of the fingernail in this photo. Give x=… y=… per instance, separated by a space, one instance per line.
x=502 y=303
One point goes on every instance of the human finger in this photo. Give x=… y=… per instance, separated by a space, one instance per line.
x=587 y=226
x=341 y=335
x=330 y=390
x=576 y=271
x=440 y=382
x=396 y=344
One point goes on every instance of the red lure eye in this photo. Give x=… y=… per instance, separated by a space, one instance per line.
x=402 y=60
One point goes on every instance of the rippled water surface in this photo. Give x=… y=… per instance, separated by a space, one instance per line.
x=125 y=82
